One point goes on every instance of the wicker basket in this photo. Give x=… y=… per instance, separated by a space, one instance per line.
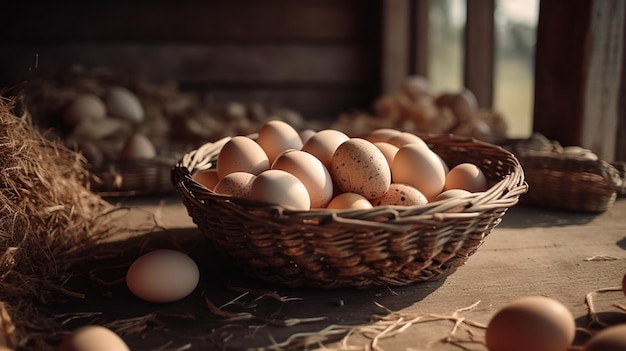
x=389 y=245
x=134 y=177
x=573 y=184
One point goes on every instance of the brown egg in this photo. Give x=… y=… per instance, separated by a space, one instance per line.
x=93 y=338
x=324 y=143
x=345 y=201
x=381 y=134
x=358 y=166
x=466 y=176
x=534 y=323
x=405 y=138
x=420 y=167
x=612 y=338
x=276 y=136
x=282 y=188
x=624 y=284
x=388 y=150
x=208 y=178
x=241 y=154
x=401 y=195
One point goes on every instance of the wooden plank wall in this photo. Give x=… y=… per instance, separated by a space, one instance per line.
x=320 y=57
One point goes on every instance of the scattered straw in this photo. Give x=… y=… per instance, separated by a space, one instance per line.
x=394 y=323
x=601 y=258
x=595 y=320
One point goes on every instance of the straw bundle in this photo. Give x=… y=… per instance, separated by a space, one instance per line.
x=49 y=222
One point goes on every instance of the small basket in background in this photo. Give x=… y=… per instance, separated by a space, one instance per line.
x=133 y=177
x=573 y=182
x=387 y=245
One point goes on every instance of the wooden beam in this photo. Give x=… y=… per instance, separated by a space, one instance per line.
x=579 y=69
x=559 y=75
x=479 y=50
x=395 y=44
x=603 y=76
x=420 y=10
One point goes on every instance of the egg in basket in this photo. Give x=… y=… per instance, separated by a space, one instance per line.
x=324 y=209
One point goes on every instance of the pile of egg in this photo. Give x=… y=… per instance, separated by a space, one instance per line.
x=107 y=127
x=328 y=169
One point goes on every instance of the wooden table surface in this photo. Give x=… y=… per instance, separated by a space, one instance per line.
x=534 y=251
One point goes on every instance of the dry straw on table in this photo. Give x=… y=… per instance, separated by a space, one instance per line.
x=389 y=245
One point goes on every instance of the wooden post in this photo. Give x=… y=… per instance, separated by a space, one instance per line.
x=604 y=73
x=395 y=44
x=479 y=50
x=579 y=65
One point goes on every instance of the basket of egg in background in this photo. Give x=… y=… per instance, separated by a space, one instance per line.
x=340 y=247
x=569 y=178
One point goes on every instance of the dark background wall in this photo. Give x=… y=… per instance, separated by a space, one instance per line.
x=319 y=57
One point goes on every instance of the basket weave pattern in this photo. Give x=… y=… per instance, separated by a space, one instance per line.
x=388 y=245
x=570 y=183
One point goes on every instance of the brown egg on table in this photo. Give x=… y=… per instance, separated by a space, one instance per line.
x=466 y=176
x=358 y=166
x=162 y=276
x=352 y=201
x=612 y=338
x=236 y=184
x=400 y=195
x=535 y=323
x=276 y=136
x=281 y=188
x=208 y=178
x=311 y=172
x=324 y=143
x=93 y=338
x=419 y=167
x=241 y=154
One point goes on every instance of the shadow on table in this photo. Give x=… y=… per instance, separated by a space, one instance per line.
x=523 y=216
x=608 y=319
x=228 y=310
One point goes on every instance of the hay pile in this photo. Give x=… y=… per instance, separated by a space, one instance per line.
x=49 y=222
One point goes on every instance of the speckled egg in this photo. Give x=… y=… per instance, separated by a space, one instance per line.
x=401 y=195
x=358 y=166
x=235 y=184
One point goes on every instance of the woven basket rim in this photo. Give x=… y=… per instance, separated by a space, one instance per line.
x=504 y=193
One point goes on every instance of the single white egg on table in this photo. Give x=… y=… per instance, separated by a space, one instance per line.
x=163 y=275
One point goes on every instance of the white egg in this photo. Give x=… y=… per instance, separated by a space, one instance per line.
x=124 y=104
x=163 y=276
